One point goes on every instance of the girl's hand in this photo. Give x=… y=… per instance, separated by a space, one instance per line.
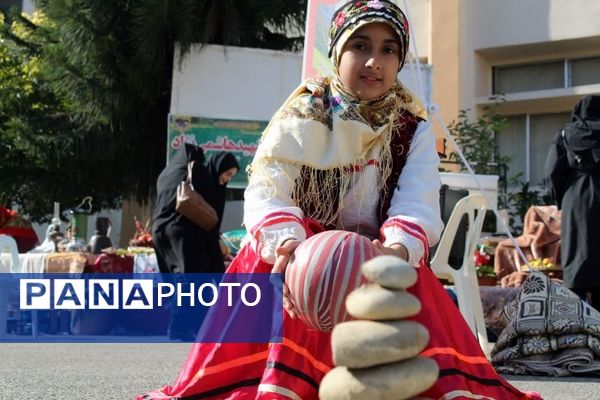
x=398 y=250
x=284 y=252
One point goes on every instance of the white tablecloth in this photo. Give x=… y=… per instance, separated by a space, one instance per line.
x=30 y=263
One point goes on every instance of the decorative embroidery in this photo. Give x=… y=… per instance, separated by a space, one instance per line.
x=346 y=18
x=350 y=114
x=314 y=109
x=412 y=230
x=533 y=285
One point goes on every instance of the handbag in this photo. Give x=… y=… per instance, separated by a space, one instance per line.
x=192 y=205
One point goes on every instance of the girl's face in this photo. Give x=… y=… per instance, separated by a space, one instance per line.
x=370 y=60
x=226 y=176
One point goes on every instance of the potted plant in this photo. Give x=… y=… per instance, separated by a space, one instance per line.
x=485 y=270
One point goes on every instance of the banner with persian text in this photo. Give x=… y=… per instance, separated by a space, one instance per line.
x=240 y=137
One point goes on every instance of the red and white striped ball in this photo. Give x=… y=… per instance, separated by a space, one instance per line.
x=323 y=270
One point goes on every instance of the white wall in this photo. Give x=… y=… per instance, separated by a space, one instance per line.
x=28 y=6
x=418 y=14
x=514 y=22
x=519 y=31
x=234 y=82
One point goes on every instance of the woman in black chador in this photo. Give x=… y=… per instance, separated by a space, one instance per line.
x=573 y=166
x=181 y=245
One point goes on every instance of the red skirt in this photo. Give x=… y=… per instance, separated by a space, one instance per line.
x=294 y=368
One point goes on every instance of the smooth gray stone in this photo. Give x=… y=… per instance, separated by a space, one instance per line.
x=397 y=381
x=390 y=272
x=374 y=302
x=361 y=344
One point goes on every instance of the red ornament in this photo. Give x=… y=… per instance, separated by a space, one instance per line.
x=339 y=20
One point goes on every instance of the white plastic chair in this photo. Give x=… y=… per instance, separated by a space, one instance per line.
x=9 y=245
x=464 y=278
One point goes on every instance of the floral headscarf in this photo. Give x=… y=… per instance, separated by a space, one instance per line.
x=355 y=14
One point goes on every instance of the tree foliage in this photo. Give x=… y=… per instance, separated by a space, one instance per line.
x=477 y=140
x=86 y=85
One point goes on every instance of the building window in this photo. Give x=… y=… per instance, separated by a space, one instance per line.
x=527 y=139
x=511 y=142
x=544 y=75
x=525 y=78
x=585 y=71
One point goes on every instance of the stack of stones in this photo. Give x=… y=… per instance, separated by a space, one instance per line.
x=376 y=356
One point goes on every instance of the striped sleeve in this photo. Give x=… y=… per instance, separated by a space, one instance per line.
x=269 y=211
x=273 y=230
x=400 y=231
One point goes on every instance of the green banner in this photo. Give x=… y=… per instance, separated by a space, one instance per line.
x=214 y=135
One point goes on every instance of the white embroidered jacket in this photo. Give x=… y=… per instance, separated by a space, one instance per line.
x=415 y=201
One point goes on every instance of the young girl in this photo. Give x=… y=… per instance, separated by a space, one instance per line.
x=351 y=152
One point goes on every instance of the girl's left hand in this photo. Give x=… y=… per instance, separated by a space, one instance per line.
x=398 y=250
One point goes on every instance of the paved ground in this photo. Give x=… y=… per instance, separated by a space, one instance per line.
x=120 y=371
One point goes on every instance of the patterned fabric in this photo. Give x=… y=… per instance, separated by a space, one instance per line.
x=354 y=14
x=551 y=332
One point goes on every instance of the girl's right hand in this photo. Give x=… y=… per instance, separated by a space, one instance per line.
x=284 y=253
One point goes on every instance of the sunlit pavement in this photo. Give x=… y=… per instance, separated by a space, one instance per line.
x=119 y=371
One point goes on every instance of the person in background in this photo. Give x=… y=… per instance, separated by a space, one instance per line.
x=573 y=167
x=181 y=245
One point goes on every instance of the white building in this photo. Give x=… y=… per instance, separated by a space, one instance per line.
x=543 y=55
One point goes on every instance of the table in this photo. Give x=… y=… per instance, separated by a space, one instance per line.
x=38 y=263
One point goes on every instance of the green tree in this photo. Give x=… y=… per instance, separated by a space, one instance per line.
x=477 y=140
x=95 y=122
x=36 y=131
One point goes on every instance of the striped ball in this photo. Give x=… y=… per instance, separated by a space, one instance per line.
x=323 y=270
